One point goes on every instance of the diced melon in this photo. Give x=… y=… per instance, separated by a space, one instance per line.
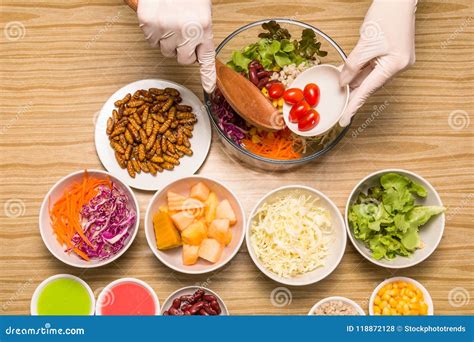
x=224 y=211
x=229 y=237
x=182 y=219
x=190 y=254
x=200 y=191
x=211 y=206
x=175 y=201
x=191 y=204
x=166 y=234
x=211 y=250
x=194 y=234
x=218 y=229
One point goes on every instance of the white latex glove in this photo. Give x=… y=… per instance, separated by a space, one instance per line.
x=181 y=28
x=386 y=46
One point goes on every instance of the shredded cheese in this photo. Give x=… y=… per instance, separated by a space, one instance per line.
x=291 y=235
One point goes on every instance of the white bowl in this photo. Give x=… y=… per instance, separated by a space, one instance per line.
x=34 y=299
x=337 y=246
x=426 y=294
x=105 y=297
x=359 y=310
x=48 y=236
x=430 y=233
x=173 y=257
x=201 y=140
x=188 y=290
x=332 y=103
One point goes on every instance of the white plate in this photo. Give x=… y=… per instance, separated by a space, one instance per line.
x=189 y=290
x=173 y=257
x=333 y=99
x=336 y=247
x=357 y=307
x=200 y=141
x=430 y=233
x=426 y=294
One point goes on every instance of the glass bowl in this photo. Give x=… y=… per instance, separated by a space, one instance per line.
x=311 y=148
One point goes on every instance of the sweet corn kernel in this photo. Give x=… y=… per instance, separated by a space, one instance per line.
x=280 y=102
x=377 y=310
x=265 y=91
x=377 y=300
x=393 y=312
x=384 y=304
x=392 y=302
x=386 y=311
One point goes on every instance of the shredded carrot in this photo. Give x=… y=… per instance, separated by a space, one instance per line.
x=65 y=213
x=273 y=145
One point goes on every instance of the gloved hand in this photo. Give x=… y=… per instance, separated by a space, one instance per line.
x=181 y=28
x=386 y=46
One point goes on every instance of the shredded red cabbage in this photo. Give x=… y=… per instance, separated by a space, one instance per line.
x=228 y=120
x=107 y=221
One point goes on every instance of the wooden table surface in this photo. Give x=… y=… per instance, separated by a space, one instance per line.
x=61 y=60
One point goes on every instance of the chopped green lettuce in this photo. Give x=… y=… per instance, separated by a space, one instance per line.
x=387 y=218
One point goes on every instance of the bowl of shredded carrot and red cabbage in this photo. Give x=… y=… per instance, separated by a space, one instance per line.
x=267 y=52
x=89 y=219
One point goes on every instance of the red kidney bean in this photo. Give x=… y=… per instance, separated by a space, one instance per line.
x=176 y=303
x=187 y=313
x=215 y=305
x=175 y=312
x=264 y=73
x=253 y=75
x=262 y=82
x=166 y=313
x=196 y=307
x=198 y=295
x=209 y=310
x=186 y=307
x=209 y=297
x=187 y=298
x=203 y=312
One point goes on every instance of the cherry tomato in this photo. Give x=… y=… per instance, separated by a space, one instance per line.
x=298 y=110
x=309 y=120
x=276 y=90
x=311 y=94
x=293 y=95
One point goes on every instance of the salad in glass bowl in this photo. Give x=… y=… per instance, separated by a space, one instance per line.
x=271 y=54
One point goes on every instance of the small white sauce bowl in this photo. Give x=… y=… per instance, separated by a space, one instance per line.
x=356 y=306
x=42 y=285
x=426 y=294
x=105 y=296
x=333 y=98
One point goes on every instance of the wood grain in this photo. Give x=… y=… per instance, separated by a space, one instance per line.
x=72 y=55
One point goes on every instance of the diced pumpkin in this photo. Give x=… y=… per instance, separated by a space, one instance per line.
x=166 y=234
x=218 y=229
x=190 y=254
x=211 y=206
x=200 y=191
x=163 y=208
x=194 y=234
x=175 y=201
x=229 y=237
x=224 y=211
x=211 y=250
x=182 y=219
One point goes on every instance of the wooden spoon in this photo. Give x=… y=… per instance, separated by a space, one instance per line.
x=244 y=97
